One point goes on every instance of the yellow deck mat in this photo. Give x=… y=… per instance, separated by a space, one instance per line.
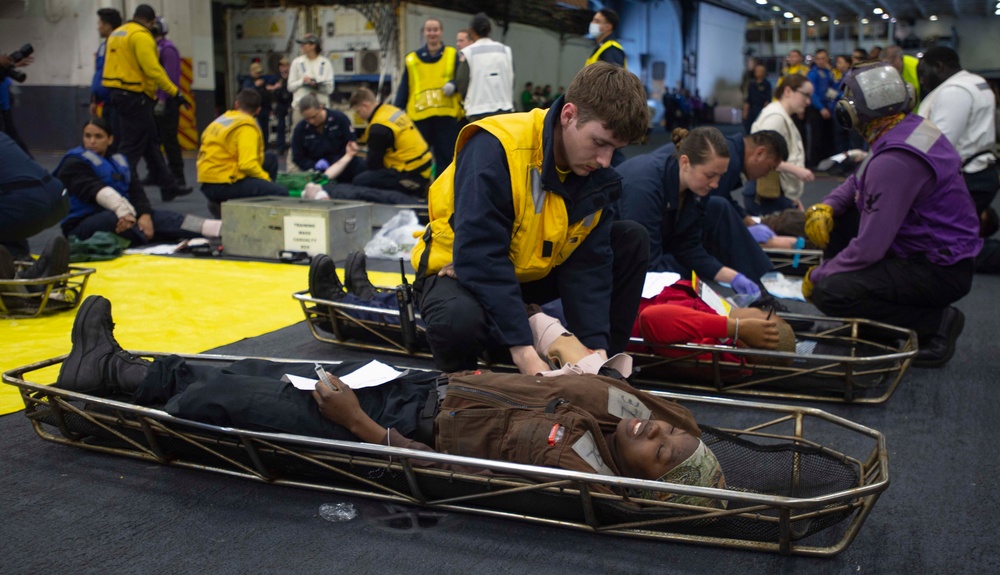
x=176 y=305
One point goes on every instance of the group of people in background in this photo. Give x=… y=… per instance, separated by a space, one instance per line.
x=901 y=233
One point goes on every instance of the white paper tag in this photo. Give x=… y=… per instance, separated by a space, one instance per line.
x=625 y=405
x=305 y=234
x=586 y=448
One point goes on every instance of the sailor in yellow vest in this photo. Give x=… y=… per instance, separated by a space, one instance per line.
x=427 y=93
x=132 y=73
x=231 y=161
x=398 y=156
x=794 y=64
x=521 y=217
x=905 y=64
x=602 y=29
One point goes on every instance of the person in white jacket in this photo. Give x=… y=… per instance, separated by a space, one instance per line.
x=311 y=73
x=485 y=78
x=792 y=96
x=963 y=107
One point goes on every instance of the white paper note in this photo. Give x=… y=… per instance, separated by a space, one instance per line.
x=370 y=375
x=656 y=281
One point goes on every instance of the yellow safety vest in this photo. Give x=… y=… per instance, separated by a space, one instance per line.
x=597 y=55
x=131 y=62
x=800 y=69
x=543 y=237
x=410 y=151
x=910 y=75
x=218 y=157
x=426 y=81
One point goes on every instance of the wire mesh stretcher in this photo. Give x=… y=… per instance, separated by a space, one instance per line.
x=846 y=360
x=799 y=480
x=54 y=293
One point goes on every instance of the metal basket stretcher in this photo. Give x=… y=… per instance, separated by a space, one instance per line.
x=824 y=473
x=794 y=260
x=839 y=360
x=58 y=293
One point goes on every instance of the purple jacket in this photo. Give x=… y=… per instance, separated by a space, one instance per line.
x=170 y=59
x=912 y=200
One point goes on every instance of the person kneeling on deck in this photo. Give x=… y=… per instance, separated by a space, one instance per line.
x=901 y=233
x=398 y=156
x=231 y=162
x=602 y=424
x=322 y=140
x=535 y=227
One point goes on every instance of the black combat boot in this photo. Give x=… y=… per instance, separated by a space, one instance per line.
x=53 y=261
x=356 y=276
x=323 y=280
x=97 y=365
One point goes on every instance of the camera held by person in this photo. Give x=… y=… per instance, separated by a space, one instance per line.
x=8 y=63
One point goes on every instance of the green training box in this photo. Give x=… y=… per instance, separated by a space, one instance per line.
x=263 y=227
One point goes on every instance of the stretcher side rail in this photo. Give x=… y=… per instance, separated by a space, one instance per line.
x=777 y=523
x=869 y=371
x=865 y=371
x=59 y=293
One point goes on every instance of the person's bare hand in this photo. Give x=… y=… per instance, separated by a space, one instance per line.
x=759 y=333
x=258 y=82
x=352 y=149
x=448 y=270
x=340 y=406
x=806 y=175
x=93 y=109
x=825 y=113
x=124 y=224
x=146 y=226
x=527 y=360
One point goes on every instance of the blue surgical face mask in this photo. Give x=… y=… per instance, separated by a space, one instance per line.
x=594 y=31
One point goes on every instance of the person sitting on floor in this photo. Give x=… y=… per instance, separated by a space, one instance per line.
x=398 y=156
x=232 y=163
x=667 y=192
x=322 y=139
x=105 y=198
x=610 y=427
x=901 y=233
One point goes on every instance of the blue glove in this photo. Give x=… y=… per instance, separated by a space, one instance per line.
x=760 y=233
x=743 y=285
x=321 y=165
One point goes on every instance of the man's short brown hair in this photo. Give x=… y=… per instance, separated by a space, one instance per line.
x=361 y=95
x=612 y=95
x=248 y=100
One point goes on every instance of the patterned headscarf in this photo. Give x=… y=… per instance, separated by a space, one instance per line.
x=701 y=469
x=874 y=129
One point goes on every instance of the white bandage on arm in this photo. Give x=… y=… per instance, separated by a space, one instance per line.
x=110 y=199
